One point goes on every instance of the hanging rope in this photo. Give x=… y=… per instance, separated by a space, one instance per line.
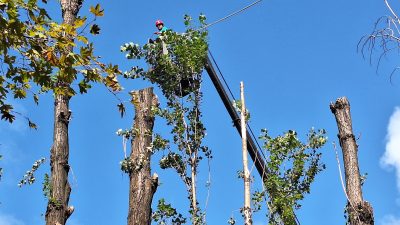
x=230 y=15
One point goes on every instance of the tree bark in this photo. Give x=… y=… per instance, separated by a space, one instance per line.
x=360 y=211
x=58 y=210
x=142 y=185
x=246 y=178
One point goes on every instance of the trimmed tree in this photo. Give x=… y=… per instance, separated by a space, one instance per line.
x=360 y=212
x=142 y=185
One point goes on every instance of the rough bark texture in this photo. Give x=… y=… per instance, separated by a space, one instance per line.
x=360 y=211
x=142 y=185
x=58 y=210
x=247 y=202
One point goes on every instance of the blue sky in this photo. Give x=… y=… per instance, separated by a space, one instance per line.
x=294 y=57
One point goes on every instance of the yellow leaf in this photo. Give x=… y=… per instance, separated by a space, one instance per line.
x=79 y=22
x=83 y=39
x=97 y=11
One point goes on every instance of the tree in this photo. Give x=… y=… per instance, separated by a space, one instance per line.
x=385 y=38
x=142 y=185
x=21 y=52
x=360 y=212
x=178 y=74
x=292 y=167
x=36 y=50
x=58 y=210
x=246 y=174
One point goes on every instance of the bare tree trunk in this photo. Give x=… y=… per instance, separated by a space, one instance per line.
x=142 y=186
x=360 y=211
x=58 y=210
x=246 y=178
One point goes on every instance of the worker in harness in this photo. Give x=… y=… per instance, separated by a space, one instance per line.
x=183 y=88
x=161 y=29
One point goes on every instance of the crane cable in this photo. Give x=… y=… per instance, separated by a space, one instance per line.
x=230 y=15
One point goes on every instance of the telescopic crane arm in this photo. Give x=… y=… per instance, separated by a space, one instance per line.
x=252 y=148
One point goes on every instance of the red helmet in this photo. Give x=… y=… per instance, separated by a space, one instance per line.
x=158 y=22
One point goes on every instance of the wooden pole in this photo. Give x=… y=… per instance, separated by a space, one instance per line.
x=360 y=211
x=246 y=178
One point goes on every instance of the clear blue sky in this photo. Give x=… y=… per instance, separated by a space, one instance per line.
x=294 y=57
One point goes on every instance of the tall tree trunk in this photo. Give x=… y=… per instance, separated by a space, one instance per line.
x=58 y=210
x=142 y=186
x=246 y=178
x=360 y=211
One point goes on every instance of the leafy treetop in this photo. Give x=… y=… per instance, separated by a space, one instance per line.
x=176 y=63
x=35 y=51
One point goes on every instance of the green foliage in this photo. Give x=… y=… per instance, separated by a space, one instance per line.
x=159 y=143
x=129 y=166
x=238 y=107
x=47 y=189
x=257 y=198
x=128 y=133
x=178 y=73
x=184 y=61
x=29 y=177
x=36 y=51
x=166 y=214
x=292 y=167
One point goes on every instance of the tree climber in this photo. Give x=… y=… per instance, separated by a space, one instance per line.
x=161 y=29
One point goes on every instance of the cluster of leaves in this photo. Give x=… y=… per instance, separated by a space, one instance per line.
x=48 y=190
x=237 y=104
x=166 y=214
x=128 y=133
x=36 y=51
x=178 y=74
x=129 y=165
x=183 y=63
x=257 y=198
x=29 y=177
x=292 y=167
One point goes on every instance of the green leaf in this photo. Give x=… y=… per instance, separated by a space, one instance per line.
x=95 y=29
x=84 y=87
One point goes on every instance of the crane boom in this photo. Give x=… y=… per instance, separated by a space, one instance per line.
x=252 y=148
